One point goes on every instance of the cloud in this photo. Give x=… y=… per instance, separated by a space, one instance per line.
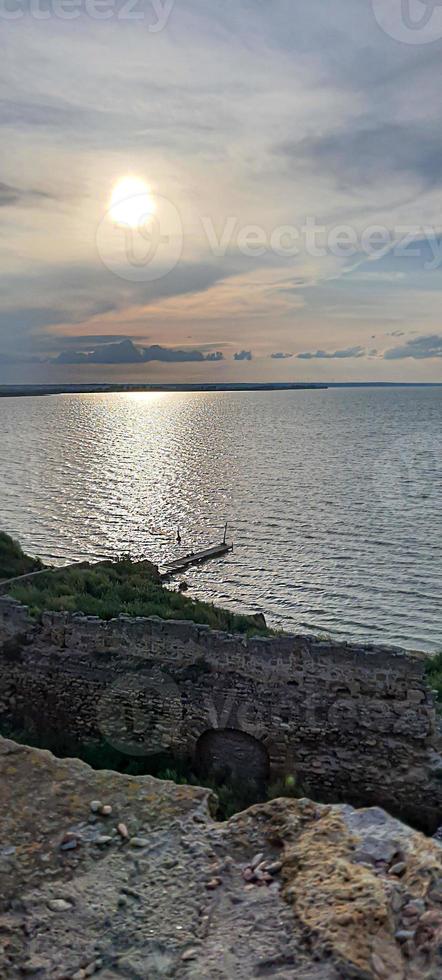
x=77 y=294
x=11 y=196
x=89 y=340
x=8 y=195
x=243 y=355
x=279 y=356
x=331 y=355
x=420 y=349
x=366 y=154
x=126 y=352
x=347 y=110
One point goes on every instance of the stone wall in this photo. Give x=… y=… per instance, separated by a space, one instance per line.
x=351 y=722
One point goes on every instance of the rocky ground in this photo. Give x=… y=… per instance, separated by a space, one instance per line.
x=115 y=877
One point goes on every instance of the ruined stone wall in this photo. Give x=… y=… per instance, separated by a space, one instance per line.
x=351 y=722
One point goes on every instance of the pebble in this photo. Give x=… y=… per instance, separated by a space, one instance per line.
x=433 y=917
x=139 y=842
x=213 y=883
x=123 y=831
x=414 y=908
x=275 y=888
x=59 y=905
x=261 y=868
x=69 y=845
x=256 y=861
x=379 y=965
x=398 y=869
x=102 y=840
x=397 y=901
x=344 y=919
x=403 y=935
x=274 y=868
x=106 y=810
x=96 y=806
x=189 y=954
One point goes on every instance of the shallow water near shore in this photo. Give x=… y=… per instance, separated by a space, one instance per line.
x=333 y=497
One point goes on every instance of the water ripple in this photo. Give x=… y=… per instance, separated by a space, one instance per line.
x=333 y=497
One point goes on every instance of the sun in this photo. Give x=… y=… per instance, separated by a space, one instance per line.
x=131 y=202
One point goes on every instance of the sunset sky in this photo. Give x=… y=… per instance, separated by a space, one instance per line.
x=239 y=125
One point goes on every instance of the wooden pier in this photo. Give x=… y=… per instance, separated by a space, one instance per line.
x=196 y=558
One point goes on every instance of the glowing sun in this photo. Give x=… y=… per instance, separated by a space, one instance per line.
x=131 y=202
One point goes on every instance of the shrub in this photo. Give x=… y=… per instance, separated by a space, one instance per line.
x=434 y=673
x=133 y=588
x=13 y=561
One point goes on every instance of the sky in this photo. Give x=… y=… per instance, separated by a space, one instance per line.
x=283 y=160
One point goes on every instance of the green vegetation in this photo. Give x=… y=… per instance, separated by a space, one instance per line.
x=132 y=588
x=434 y=673
x=13 y=561
x=233 y=795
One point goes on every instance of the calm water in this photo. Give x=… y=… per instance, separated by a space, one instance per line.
x=333 y=497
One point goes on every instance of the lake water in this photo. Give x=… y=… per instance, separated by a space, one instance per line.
x=333 y=497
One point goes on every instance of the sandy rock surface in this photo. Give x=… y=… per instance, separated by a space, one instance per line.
x=115 y=877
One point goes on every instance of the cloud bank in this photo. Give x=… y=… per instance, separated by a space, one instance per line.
x=249 y=118
x=420 y=348
x=243 y=355
x=322 y=355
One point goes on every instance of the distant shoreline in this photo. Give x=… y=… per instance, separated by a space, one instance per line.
x=11 y=391
x=20 y=391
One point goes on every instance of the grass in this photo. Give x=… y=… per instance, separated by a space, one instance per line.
x=13 y=560
x=132 y=588
x=434 y=674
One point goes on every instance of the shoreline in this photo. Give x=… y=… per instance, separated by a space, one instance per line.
x=11 y=391
x=104 y=387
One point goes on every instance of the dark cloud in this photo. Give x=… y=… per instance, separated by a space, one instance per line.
x=126 y=352
x=357 y=156
x=170 y=354
x=8 y=195
x=279 y=356
x=331 y=355
x=419 y=349
x=81 y=292
x=11 y=196
x=243 y=355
